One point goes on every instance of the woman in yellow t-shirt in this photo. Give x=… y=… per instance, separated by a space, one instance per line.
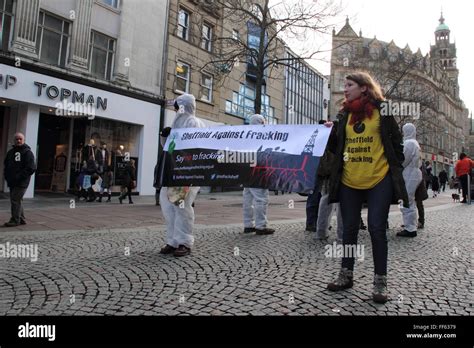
x=368 y=168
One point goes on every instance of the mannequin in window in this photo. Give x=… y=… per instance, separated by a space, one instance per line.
x=77 y=160
x=90 y=150
x=119 y=150
x=102 y=157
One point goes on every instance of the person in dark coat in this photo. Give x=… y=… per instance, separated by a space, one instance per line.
x=434 y=185
x=129 y=182
x=443 y=179
x=107 y=179
x=368 y=167
x=92 y=171
x=19 y=166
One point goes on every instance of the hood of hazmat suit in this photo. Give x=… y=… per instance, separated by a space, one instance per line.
x=186 y=114
x=257 y=119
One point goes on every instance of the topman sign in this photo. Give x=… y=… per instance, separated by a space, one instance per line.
x=54 y=92
x=7 y=81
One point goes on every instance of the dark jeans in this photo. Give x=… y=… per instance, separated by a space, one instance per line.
x=16 y=198
x=463 y=180
x=157 y=196
x=312 y=207
x=378 y=201
x=421 y=212
x=127 y=193
x=442 y=186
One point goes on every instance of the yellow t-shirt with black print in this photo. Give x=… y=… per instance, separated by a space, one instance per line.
x=365 y=164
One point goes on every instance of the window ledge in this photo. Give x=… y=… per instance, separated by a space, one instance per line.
x=188 y=41
x=206 y=102
x=235 y=115
x=110 y=8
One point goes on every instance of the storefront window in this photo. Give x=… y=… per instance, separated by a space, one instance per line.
x=122 y=142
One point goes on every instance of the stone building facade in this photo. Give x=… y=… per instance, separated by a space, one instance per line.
x=428 y=81
x=78 y=73
x=195 y=31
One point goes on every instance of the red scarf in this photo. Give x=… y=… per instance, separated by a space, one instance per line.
x=360 y=108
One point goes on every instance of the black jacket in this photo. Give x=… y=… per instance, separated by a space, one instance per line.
x=443 y=177
x=392 y=142
x=129 y=175
x=19 y=165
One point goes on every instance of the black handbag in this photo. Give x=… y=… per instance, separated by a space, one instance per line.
x=421 y=192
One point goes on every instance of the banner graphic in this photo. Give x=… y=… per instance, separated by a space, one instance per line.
x=277 y=157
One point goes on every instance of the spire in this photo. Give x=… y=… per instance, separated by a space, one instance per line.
x=442 y=26
x=347 y=30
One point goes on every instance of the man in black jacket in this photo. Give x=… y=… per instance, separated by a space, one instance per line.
x=443 y=179
x=19 y=165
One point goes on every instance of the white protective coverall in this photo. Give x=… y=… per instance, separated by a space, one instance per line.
x=411 y=174
x=255 y=199
x=180 y=219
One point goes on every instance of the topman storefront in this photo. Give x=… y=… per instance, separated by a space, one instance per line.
x=65 y=123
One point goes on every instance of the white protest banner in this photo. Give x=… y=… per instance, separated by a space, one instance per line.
x=277 y=157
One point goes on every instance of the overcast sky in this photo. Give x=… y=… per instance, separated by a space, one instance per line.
x=413 y=22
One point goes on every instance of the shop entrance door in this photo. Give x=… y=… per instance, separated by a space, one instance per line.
x=53 y=142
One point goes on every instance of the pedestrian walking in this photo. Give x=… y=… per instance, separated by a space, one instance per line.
x=429 y=174
x=412 y=176
x=19 y=166
x=443 y=179
x=92 y=176
x=129 y=181
x=106 y=185
x=421 y=195
x=368 y=167
x=463 y=169
x=325 y=210
x=435 y=185
x=255 y=201
x=176 y=202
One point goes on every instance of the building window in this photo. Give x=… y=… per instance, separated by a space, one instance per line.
x=6 y=19
x=111 y=3
x=102 y=56
x=243 y=104
x=52 y=41
x=206 y=37
x=182 y=77
x=183 y=24
x=206 y=87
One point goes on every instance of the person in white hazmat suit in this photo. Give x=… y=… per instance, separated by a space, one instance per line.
x=256 y=200
x=412 y=176
x=179 y=215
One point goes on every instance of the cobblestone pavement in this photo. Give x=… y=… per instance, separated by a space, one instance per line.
x=47 y=214
x=119 y=272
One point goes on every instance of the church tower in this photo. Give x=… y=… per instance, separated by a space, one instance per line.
x=444 y=52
